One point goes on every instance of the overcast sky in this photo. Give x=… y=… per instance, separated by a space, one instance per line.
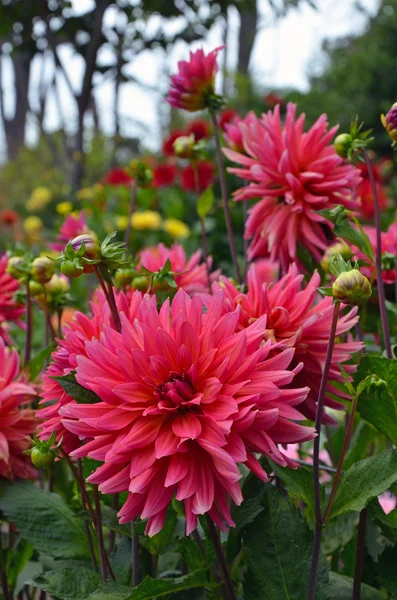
x=285 y=51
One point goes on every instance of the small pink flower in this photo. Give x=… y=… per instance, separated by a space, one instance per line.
x=71 y=228
x=388 y=502
x=296 y=319
x=10 y=310
x=389 y=252
x=184 y=400
x=17 y=423
x=194 y=84
x=295 y=174
x=193 y=274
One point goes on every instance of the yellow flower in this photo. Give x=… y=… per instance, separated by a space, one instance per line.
x=85 y=193
x=39 y=199
x=75 y=214
x=64 y=208
x=121 y=222
x=147 y=219
x=32 y=224
x=176 y=228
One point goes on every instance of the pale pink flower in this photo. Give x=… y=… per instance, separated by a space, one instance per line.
x=10 y=310
x=192 y=274
x=388 y=502
x=71 y=228
x=17 y=422
x=296 y=318
x=194 y=84
x=295 y=174
x=185 y=399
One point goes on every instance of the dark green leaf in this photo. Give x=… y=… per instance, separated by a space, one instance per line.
x=386 y=568
x=345 y=229
x=342 y=588
x=205 y=202
x=161 y=539
x=153 y=588
x=77 y=391
x=339 y=532
x=37 y=363
x=378 y=405
x=44 y=520
x=278 y=549
x=387 y=522
x=298 y=482
x=68 y=584
x=361 y=439
x=365 y=480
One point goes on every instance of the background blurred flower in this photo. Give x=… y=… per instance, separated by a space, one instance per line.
x=11 y=311
x=32 y=225
x=164 y=175
x=71 y=227
x=117 y=177
x=64 y=208
x=40 y=197
x=168 y=145
x=203 y=171
x=8 y=217
x=176 y=228
x=199 y=128
x=121 y=222
x=146 y=219
x=364 y=191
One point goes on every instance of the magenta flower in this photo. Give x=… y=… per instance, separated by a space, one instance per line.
x=10 y=310
x=193 y=87
x=17 y=422
x=72 y=227
x=193 y=274
x=295 y=174
x=185 y=399
x=297 y=319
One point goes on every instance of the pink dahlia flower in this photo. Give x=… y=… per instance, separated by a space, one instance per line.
x=193 y=278
x=64 y=360
x=10 y=310
x=194 y=83
x=295 y=174
x=17 y=422
x=389 y=252
x=71 y=228
x=295 y=319
x=185 y=399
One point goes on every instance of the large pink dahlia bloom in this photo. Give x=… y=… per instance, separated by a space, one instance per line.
x=185 y=398
x=17 y=422
x=195 y=81
x=297 y=319
x=295 y=174
x=10 y=310
x=193 y=274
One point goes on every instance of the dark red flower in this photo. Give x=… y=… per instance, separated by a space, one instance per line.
x=117 y=177
x=168 y=145
x=227 y=116
x=164 y=175
x=8 y=217
x=199 y=128
x=272 y=99
x=205 y=176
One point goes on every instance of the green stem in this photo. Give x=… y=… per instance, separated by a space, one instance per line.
x=130 y=213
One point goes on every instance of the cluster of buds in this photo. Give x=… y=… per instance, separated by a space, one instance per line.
x=145 y=280
x=347 y=144
x=54 y=295
x=389 y=122
x=85 y=254
x=140 y=172
x=350 y=286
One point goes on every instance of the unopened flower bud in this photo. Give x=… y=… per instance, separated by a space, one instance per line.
x=41 y=457
x=184 y=145
x=14 y=267
x=140 y=283
x=35 y=288
x=71 y=270
x=57 y=285
x=352 y=287
x=342 y=144
x=389 y=122
x=42 y=269
x=92 y=250
x=124 y=277
x=338 y=247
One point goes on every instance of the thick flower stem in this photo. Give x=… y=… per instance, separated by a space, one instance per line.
x=358 y=570
x=29 y=325
x=135 y=556
x=86 y=524
x=378 y=259
x=231 y=593
x=316 y=455
x=130 y=213
x=112 y=534
x=109 y=295
x=99 y=532
x=225 y=197
x=3 y=576
x=345 y=446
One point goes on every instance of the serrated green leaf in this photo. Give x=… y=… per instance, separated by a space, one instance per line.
x=343 y=228
x=365 y=480
x=77 y=391
x=339 y=532
x=299 y=483
x=277 y=549
x=386 y=569
x=44 y=520
x=153 y=588
x=37 y=363
x=205 y=202
x=68 y=584
x=378 y=406
x=341 y=588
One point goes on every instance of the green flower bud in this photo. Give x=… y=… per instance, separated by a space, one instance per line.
x=57 y=285
x=35 y=288
x=71 y=270
x=14 y=265
x=92 y=249
x=352 y=287
x=339 y=247
x=42 y=269
x=124 y=277
x=41 y=457
x=140 y=283
x=184 y=145
x=342 y=144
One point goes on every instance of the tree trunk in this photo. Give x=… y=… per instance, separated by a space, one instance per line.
x=14 y=126
x=248 y=26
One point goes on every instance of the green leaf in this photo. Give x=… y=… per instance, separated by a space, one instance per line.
x=44 y=520
x=362 y=437
x=386 y=568
x=205 y=202
x=77 y=391
x=378 y=405
x=278 y=549
x=37 y=363
x=387 y=522
x=339 y=532
x=161 y=539
x=153 y=588
x=68 y=584
x=298 y=482
x=365 y=480
x=344 y=229
x=341 y=588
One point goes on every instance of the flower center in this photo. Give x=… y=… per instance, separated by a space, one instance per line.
x=177 y=394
